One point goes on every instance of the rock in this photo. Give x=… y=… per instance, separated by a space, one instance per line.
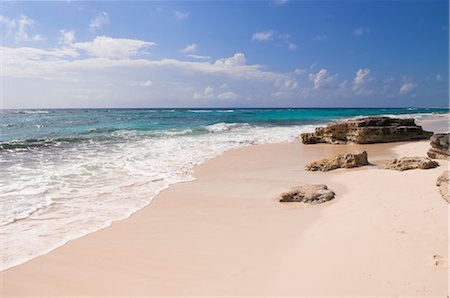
x=410 y=163
x=367 y=130
x=442 y=183
x=349 y=160
x=311 y=193
x=439 y=146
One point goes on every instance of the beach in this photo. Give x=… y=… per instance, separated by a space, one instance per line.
x=226 y=235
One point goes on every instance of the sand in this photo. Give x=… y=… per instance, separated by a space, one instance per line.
x=225 y=234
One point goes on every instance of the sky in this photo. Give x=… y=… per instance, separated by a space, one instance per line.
x=276 y=53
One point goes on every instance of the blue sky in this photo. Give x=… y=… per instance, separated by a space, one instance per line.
x=225 y=54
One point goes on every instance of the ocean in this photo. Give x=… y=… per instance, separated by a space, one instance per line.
x=69 y=172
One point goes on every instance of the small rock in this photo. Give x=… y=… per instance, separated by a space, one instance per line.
x=410 y=163
x=349 y=160
x=311 y=193
x=442 y=183
x=439 y=146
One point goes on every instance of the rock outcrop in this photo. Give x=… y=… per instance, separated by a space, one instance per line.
x=411 y=163
x=349 y=160
x=311 y=193
x=367 y=130
x=442 y=183
x=439 y=146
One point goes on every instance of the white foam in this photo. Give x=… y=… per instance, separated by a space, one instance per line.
x=222 y=126
x=83 y=188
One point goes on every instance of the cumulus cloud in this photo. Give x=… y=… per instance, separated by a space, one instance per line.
x=114 y=48
x=407 y=87
x=236 y=59
x=361 y=31
x=209 y=93
x=362 y=78
x=99 y=21
x=438 y=77
x=287 y=84
x=66 y=37
x=190 y=48
x=181 y=15
x=321 y=79
x=18 y=28
x=263 y=35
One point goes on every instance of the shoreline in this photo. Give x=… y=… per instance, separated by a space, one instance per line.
x=167 y=202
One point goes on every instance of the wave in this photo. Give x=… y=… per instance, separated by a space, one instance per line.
x=200 y=111
x=37 y=143
x=30 y=112
x=222 y=126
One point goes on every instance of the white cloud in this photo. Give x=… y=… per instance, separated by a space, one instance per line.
x=236 y=59
x=209 y=93
x=407 y=87
x=292 y=46
x=362 y=78
x=227 y=95
x=99 y=21
x=287 y=84
x=271 y=35
x=438 y=77
x=18 y=28
x=321 y=79
x=66 y=37
x=263 y=35
x=180 y=14
x=190 y=48
x=361 y=31
x=320 y=37
x=299 y=71
x=114 y=48
x=199 y=57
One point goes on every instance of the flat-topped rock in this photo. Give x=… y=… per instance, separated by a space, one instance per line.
x=439 y=146
x=311 y=193
x=411 y=163
x=442 y=183
x=348 y=160
x=367 y=130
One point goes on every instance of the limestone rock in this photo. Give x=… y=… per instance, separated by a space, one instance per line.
x=439 y=146
x=349 y=160
x=367 y=130
x=410 y=163
x=442 y=183
x=311 y=193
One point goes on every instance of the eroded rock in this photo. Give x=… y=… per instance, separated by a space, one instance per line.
x=410 y=163
x=367 y=130
x=349 y=160
x=311 y=193
x=439 y=146
x=442 y=183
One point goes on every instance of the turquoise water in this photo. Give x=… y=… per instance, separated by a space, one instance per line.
x=66 y=173
x=29 y=128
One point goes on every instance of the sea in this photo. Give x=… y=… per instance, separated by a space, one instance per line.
x=69 y=172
